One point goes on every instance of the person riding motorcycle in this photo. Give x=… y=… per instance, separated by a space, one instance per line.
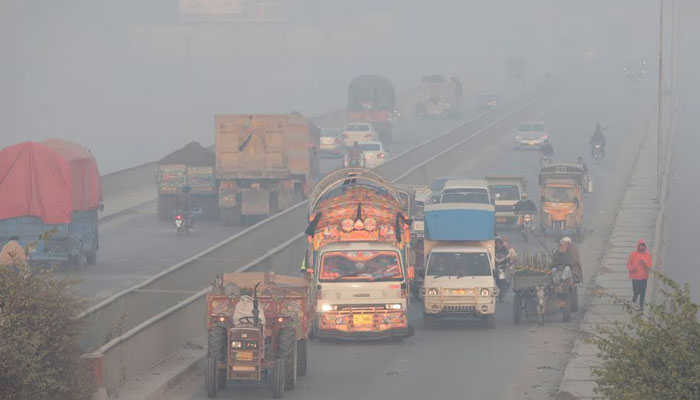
x=355 y=155
x=525 y=206
x=183 y=203
x=598 y=138
x=547 y=149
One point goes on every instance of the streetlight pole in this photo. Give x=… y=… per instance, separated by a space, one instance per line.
x=659 y=126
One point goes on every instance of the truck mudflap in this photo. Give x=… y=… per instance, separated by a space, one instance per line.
x=353 y=325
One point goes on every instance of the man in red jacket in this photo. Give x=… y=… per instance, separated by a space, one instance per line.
x=638 y=265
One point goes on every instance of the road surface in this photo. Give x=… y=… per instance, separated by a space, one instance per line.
x=462 y=359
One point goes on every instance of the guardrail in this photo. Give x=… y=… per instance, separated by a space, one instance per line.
x=144 y=311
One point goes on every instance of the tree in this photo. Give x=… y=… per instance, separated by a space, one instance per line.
x=39 y=331
x=655 y=355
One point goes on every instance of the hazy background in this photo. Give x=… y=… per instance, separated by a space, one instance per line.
x=132 y=80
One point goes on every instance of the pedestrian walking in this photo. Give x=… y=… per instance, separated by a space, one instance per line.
x=638 y=265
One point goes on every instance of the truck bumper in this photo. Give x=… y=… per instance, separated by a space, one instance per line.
x=458 y=310
x=341 y=325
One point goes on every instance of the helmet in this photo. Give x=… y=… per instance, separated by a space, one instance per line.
x=524 y=196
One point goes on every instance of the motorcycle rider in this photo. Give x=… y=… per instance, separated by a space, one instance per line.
x=183 y=203
x=546 y=149
x=525 y=206
x=598 y=138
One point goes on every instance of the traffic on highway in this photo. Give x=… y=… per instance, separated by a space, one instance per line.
x=348 y=224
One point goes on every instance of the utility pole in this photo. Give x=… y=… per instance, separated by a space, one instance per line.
x=659 y=127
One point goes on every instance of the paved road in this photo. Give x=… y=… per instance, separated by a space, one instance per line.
x=681 y=251
x=462 y=359
x=137 y=246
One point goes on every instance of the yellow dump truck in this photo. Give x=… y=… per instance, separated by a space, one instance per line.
x=264 y=163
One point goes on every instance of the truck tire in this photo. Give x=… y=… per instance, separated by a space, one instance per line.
x=517 y=308
x=301 y=357
x=278 y=379
x=91 y=257
x=287 y=348
x=210 y=377
x=216 y=350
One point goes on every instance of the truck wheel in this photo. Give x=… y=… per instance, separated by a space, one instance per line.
x=91 y=257
x=574 y=299
x=278 y=379
x=517 y=308
x=567 y=308
x=301 y=357
x=216 y=351
x=287 y=349
x=489 y=320
x=210 y=377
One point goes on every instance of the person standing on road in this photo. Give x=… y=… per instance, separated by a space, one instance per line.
x=638 y=265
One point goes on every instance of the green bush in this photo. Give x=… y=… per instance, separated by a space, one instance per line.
x=39 y=351
x=656 y=355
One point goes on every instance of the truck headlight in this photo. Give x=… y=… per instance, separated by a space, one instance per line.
x=432 y=292
x=328 y=307
x=484 y=292
x=393 y=306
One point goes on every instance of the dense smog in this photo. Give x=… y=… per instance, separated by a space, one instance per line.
x=348 y=199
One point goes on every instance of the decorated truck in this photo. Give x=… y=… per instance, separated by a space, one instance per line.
x=359 y=239
x=192 y=166
x=50 y=196
x=264 y=163
x=459 y=259
x=371 y=98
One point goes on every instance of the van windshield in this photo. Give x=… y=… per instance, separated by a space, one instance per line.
x=363 y=265
x=505 y=192
x=458 y=264
x=479 y=196
x=559 y=194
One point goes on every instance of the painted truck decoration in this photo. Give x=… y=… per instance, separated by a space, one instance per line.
x=358 y=242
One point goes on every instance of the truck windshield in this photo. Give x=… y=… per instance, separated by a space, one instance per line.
x=357 y=127
x=458 y=264
x=364 y=265
x=505 y=192
x=559 y=194
x=465 y=196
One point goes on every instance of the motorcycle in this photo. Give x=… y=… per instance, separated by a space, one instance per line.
x=183 y=225
x=502 y=281
x=597 y=152
x=528 y=228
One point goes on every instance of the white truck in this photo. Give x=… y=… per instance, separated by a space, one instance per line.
x=459 y=262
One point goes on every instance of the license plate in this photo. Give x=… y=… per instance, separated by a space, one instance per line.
x=244 y=355
x=362 y=319
x=501 y=220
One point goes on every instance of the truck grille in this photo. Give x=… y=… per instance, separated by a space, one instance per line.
x=460 y=308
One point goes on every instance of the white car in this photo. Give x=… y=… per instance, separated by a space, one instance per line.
x=530 y=135
x=359 y=132
x=374 y=153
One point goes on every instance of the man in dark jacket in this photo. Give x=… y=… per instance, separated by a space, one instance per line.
x=525 y=206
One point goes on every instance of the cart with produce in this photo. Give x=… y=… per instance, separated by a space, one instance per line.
x=541 y=291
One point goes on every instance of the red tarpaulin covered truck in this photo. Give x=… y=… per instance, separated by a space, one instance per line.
x=54 y=184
